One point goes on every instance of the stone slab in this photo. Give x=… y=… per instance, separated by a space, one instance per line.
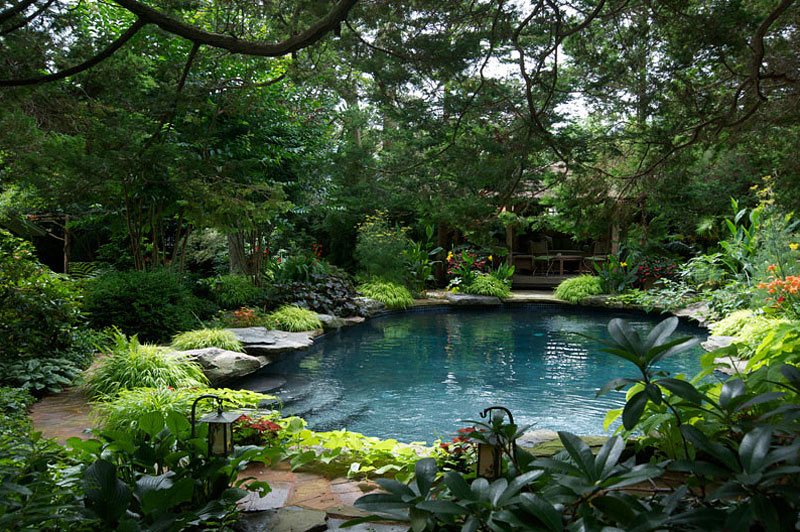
x=220 y=365
x=469 y=300
x=271 y=501
x=331 y=322
x=370 y=307
x=717 y=342
x=261 y=342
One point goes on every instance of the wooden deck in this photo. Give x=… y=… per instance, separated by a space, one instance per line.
x=537 y=282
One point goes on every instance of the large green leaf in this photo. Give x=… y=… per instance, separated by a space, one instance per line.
x=542 y=510
x=660 y=332
x=425 y=472
x=106 y=495
x=683 y=389
x=633 y=410
x=754 y=448
x=580 y=453
x=608 y=456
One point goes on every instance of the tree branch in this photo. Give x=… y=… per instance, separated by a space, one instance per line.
x=314 y=33
x=102 y=56
x=14 y=10
x=27 y=20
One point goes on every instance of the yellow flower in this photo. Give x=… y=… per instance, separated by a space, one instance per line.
x=449 y=255
x=490 y=257
x=793 y=246
x=623 y=264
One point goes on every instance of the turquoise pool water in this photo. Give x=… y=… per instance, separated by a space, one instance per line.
x=413 y=376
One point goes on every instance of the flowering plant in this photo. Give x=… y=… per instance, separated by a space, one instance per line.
x=244 y=317
x=783 y=292
x=460 y=450
x=465 y=266
x=651 y=269
x=250 y=431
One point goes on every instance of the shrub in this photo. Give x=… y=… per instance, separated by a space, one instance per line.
x=379 y=247
x=297 y=267
x=153 y=305
x=749 y=329
x=39 y=311
x=487 y=285
x=326 y=294
x=233 y=291
x=578 y=288
x=134 y=365
x=391 y=294
x=123 y=411
x=294 y=319
x=14 y=404
x=203 y=338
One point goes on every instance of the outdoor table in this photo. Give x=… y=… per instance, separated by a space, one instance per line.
x=566 y=258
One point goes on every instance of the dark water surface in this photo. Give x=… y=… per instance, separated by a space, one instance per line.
x=413 y=376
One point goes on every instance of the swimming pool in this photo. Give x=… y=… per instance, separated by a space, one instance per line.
x=414 y=375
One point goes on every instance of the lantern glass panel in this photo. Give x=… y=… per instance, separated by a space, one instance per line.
x=487 y=461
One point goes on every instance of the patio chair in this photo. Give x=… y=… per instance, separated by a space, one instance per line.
x=600 y=252
x=542 y=257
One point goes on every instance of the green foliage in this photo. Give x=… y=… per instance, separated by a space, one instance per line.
x=615 y=275
x=39 y=312
x=123 y=411
x=154 y=305
x=393 y=295
x=14 y=404
x=294 y=319
x=203 y=338
x=341 y=452
x=665 y=295
x=748 y=328
x=233 y=291
x=419 y=257
x=157 y=476
x=378 y=248
x=578 y=288
x=485 y=284
x=132 y=365
x=297 y=267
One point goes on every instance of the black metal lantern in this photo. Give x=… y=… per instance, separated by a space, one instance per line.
x=220 y=427
x=490 y=451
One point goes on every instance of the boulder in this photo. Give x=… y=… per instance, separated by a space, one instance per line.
x=717 y=342
x=696 y=311
x=469 y=300
x=353 y=320
x=220 y=365
x=267 y=345
x=331 y=322
x=370 y=307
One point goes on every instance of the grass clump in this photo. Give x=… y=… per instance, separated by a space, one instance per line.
x=123 y=411
x=488 y=285
x=393 y=295
x=202 y=338
x=294 y=319
x=133 y=365
x=578 y=288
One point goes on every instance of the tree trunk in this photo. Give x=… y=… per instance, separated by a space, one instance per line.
x=236 y=253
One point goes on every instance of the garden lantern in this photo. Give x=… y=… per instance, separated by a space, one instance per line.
x=497 y=442
x=220 y=427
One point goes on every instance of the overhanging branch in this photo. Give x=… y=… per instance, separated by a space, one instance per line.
x=314 y=33
x=102 y=56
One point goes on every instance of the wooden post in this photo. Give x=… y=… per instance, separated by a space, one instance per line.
x=67 y=243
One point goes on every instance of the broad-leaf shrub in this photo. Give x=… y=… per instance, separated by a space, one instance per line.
x=579 y=288
x=39 y=310
x=485 y=284
x=155 y=476
x=131 y=364
x=393 y=295
x=748 y=328
x=154 y=305
x=379 y=248
x=233 y=291
x=203 y=338
x=293 y=319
